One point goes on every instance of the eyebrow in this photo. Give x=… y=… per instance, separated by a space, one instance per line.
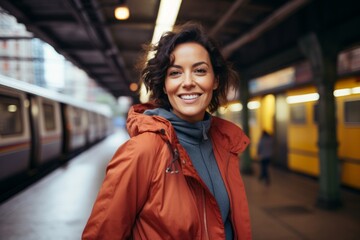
x=194 y=65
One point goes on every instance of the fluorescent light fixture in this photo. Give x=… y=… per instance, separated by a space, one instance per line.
x=253 y=105
x=355 y=90
x=315 y=96
x=342 y=92
x=166 y=18
x=346 y=91
x=165 y=21
x=235 y=107
x=302 y=98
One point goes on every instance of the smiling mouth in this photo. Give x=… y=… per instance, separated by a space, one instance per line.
x=189 y=96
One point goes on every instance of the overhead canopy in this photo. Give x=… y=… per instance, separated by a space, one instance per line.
x=258 y=36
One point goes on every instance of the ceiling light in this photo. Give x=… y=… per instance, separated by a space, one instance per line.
x=165 y=21
x=235 y=107
x=355 y=90
x=122 y=12
x=342 y=92
x=166 y=18
x=253 y=105
x=302 y=98
x=133 y=87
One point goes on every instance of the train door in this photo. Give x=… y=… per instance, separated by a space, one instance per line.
x=50 y=130
x=280 y=133
x=91 y=138
x=76 y=128
x=35 y=131
x=14 y=133
x=99 y=126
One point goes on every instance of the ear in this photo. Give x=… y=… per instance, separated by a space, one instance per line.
x=216 y=83
x=164 y=90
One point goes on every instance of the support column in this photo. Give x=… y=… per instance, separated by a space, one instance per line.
x=323 y=57
x=245 y=166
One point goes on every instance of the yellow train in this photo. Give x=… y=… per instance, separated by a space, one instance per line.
x=291 y=117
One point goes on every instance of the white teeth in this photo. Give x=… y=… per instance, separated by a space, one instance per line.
x=189 y=97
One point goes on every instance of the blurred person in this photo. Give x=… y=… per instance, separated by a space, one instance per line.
x=178 y=176
x=265 y=152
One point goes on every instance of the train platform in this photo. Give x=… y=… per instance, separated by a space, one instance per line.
x=58 y=205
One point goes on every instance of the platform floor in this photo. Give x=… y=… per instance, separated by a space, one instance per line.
x=57 y=206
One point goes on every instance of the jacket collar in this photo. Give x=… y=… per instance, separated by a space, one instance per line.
x=228 y=135
x=222 y=132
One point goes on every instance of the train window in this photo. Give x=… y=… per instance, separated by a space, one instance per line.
x=92 y=118
x=77 y=117
x=297 y=113
x=10 y=112
x=49 y=116
x=351 y=112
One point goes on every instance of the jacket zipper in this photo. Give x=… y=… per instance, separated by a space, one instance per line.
x=205 y=216
x=171 y=167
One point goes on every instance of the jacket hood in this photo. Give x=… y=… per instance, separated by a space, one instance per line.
x=138 y=123
x=231 y=136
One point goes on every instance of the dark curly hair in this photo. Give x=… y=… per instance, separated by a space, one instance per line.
x=154 y=70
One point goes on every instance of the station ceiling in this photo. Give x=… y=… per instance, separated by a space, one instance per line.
x=258 y=36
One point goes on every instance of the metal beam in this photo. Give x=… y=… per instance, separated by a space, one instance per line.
x=226 y=17
x=275 y=18
x=273 y=63
x=30 y=59
x=81 y=15
x=102 y=41
x=54 y=22
x=114 y=51
x=8 y=38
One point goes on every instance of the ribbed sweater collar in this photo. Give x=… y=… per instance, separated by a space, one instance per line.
x=186 y=131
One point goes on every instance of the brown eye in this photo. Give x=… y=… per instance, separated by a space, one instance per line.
x=200 y=71
x=174 y=73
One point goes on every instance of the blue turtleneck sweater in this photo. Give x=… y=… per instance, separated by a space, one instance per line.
x=193 y=137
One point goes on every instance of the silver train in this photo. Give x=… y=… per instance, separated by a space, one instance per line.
x=39 y=129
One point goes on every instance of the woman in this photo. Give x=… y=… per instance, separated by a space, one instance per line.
x=178 y=175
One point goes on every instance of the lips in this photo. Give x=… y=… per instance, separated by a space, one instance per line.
x=189 y=96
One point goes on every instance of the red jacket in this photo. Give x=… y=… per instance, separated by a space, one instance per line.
x=152 y=190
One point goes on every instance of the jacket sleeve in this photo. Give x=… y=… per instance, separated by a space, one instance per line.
x=123 y=193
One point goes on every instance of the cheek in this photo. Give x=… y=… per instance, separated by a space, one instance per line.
x=210 y=86
x=171 y=86
x=167 y=87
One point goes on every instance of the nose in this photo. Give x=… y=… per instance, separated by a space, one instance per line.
x=188 y=80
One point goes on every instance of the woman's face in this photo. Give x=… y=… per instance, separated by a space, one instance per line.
x=190 y=81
